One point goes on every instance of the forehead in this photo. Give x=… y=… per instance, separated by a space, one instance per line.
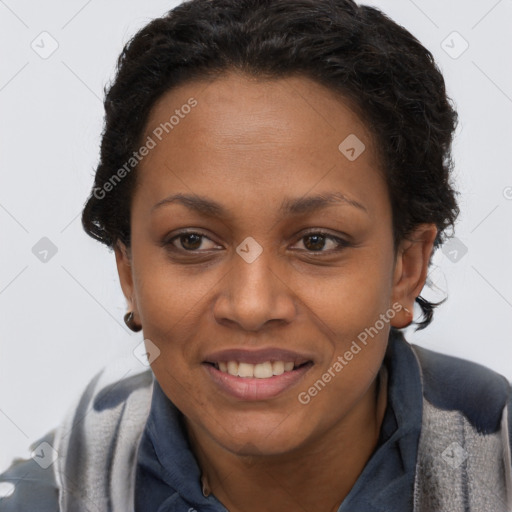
x=242 y=131
x=244 y=109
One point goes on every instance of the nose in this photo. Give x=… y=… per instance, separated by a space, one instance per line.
x=255 y=294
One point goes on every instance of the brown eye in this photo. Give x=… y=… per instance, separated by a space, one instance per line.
x=190 y=242
x=322 y=242
x=316 y=242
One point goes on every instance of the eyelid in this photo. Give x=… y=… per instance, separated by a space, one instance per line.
x=322 y=231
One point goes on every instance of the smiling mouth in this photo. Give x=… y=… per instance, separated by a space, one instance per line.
x=265 y=370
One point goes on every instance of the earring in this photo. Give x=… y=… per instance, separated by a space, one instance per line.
x=409 y=314
x=129 y=321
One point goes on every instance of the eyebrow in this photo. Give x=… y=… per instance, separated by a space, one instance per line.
x=289 y=206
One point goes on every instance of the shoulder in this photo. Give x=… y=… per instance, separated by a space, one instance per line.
x=38 y=483
x=453 y=383
x=464 y=456
x=30 y=484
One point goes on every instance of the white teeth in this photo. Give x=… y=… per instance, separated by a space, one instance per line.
x=260 y=371
x=245 y=370
x=263 y=370
x=233 y=368
x=278 y=367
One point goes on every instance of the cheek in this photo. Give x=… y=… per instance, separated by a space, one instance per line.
x=171 y=306
x=356 y=309
x=354 y=295
x=170 y=296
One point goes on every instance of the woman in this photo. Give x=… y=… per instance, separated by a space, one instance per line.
x=274 y=178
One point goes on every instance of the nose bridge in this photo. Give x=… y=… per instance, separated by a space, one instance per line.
x=253 y=277
x=254 y=293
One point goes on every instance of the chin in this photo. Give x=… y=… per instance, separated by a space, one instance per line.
x=260 y=435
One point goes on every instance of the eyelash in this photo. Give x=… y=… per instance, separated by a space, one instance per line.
x=342 y=244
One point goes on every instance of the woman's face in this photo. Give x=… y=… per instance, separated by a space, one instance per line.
x=276 y=247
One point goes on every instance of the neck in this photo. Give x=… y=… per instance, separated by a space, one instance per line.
x=317 y=476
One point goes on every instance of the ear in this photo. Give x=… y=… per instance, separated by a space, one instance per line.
x=124 y=269
x=410 y=273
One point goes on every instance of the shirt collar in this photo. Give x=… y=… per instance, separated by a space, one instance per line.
x=170 y=476
x=167 y=468
x=387 y=481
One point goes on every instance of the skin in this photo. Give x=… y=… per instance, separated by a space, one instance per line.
x=248 y=144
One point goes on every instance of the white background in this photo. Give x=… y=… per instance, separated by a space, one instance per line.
x=61 y=321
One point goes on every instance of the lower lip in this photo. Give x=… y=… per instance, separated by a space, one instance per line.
x=251 y=388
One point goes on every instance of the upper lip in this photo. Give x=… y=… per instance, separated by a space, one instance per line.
x=257 y=356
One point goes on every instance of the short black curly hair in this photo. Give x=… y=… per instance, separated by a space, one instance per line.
x=384 y=72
